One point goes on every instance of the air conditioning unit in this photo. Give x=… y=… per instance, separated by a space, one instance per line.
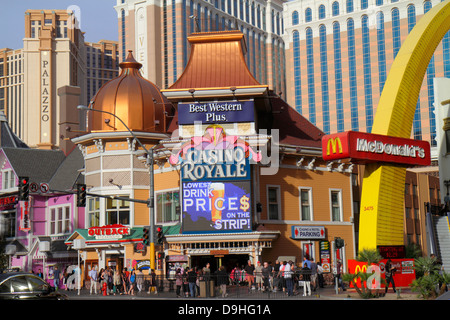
x=79 y=244
x=44 y=246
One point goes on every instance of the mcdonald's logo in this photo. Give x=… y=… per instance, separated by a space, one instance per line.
x=333 y=144
x=360 y=268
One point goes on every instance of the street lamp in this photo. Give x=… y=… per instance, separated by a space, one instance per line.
x=151 y=203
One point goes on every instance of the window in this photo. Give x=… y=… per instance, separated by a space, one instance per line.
x=8 y=179
x=321 y=11
x=335 y=8
x=352 y=74
x=336 y=205
x=295 y=18
x=93 y=212
x=59 y=220
x=117 y=212
x=167 y=206
x=297 y=72
x=273 y=203
x=306 y=204
x=308 y=15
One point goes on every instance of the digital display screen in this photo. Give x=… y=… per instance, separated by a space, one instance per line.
x=216 y=206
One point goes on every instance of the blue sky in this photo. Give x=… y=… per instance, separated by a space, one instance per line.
x=98 y=19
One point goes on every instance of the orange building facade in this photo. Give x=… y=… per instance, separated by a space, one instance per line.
x=279 y=200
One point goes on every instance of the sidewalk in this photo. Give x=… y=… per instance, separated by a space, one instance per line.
x=328 y=293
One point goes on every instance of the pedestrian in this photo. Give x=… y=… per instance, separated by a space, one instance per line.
x=282 y=278
x=320 y=278
x=389 y=274
x=306 y=278
x=178 y=281
x=306 y=261
x=338 y=275
x=249 y=275
x=110 y=280
x=313 y=275
x=56 y=277
x=124 y=277
x=265 y=274
x=276 y=276
x=94 y=278
x=236 y=275
x=132 y=281
x=288 y=278
x=153 y=284
x=40 y=274
x=192 y=280
x=139 y=280
x=222 y=281
x=185 y=281
x=258 y=276
x=117 y=282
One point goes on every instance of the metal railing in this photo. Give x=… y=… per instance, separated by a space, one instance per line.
x=273 y=287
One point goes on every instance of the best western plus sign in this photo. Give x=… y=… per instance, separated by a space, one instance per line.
x=363 y=147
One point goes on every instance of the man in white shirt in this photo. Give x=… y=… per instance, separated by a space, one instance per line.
x=93 y=276
x=288 y=278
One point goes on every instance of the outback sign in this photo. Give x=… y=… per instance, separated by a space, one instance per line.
x=363 y=147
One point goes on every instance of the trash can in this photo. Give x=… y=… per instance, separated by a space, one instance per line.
x=206 y=289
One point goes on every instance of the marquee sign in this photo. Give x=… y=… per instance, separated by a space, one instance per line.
x=110 y=232
x=365 y=147
x=216 y=112
x=215 y=182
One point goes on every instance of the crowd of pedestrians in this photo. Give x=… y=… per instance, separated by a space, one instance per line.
x=111 y=281
x=284 y=276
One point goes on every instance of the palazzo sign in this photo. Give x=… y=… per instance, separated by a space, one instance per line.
x=215 y=182
x=365 y=147
x=45 y=96
x=216 y=112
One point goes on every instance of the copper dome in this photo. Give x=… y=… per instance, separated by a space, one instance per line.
x=135 y=100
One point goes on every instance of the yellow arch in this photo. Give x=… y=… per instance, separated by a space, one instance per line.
x=382 y=199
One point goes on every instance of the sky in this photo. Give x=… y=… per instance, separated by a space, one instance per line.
x=98 y=19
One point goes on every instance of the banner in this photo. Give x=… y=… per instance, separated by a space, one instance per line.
x=403 y=277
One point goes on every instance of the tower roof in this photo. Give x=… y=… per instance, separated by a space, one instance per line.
x=217 y=60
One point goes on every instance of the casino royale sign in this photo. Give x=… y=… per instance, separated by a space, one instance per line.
x=363 y=147
x=214 y=165
x=216 y=112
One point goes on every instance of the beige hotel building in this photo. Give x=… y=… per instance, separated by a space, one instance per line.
x=56 y=70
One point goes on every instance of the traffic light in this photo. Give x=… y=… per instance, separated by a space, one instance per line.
x=146 y=237
x=24 y=188
x=81 y=195
x=159 y=235
x=339 y=243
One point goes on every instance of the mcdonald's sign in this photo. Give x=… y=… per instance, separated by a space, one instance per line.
x=360 y=147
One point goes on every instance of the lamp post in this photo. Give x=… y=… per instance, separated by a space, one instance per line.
x=151 y=202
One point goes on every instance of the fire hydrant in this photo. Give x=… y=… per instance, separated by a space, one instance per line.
x=104 y=288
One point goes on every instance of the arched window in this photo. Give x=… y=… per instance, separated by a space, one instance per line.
x=335 y=9
x=295 y=18
x=297 y=72
x=321 y=11
x=308 y=15
x=349 y=6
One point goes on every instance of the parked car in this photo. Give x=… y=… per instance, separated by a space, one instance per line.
x=22 y=285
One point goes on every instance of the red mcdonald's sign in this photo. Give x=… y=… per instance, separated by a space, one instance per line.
x=360 y=147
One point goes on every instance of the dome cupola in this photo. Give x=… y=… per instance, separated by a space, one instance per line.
x=135 y=100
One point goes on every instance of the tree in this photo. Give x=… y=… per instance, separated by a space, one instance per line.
x=370 y=256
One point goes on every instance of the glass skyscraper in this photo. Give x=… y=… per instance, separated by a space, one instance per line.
x=338 y=56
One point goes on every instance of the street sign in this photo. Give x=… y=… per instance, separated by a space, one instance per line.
x=44 y=188
x=34 y=187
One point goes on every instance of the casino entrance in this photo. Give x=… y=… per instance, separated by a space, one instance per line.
x=229 y=261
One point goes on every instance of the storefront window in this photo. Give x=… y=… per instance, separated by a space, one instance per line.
x=59 y=220
x=167 y=204
x=93 y=212
x=8 y=224
x=117 y=211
